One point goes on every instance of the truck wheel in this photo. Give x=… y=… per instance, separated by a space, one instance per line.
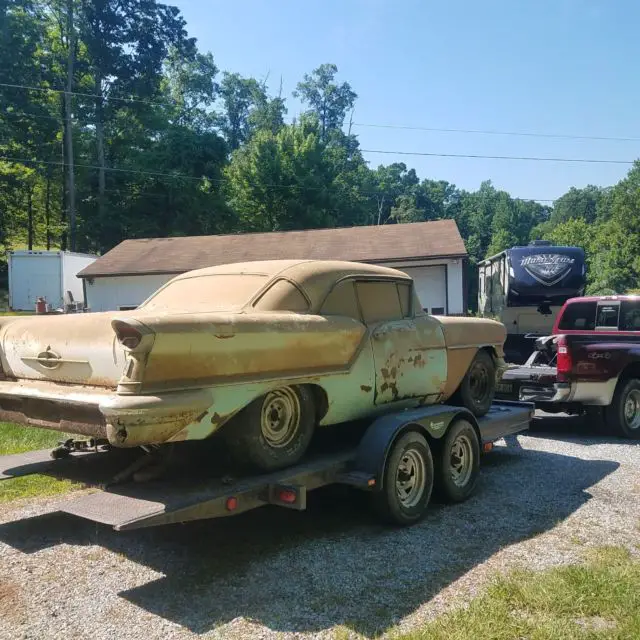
x=274 y=431
x=458 y=463
x=407 y=481
x=623 y=414
x=478 y=387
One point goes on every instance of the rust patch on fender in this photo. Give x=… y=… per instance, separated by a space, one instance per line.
x=365 y=387
x=419 y=361
x=224 y=336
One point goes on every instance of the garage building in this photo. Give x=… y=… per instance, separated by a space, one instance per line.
x=432 y=253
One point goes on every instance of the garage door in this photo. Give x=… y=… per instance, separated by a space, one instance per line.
x=431 y=287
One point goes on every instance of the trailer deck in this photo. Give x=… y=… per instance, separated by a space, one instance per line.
x=194 y=494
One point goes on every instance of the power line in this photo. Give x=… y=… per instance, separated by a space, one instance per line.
x=85 y=95
x=214 y=180
x=494 y=132
x=487 y=157
x=531 y=134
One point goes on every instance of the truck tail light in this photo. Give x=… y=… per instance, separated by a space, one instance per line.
x=564 y=363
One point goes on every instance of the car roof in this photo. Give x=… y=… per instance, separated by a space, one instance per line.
x=316 y=277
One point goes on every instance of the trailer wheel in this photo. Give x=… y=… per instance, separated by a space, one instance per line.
x=478 y=387
x=407 y=481
x=274 y=431
x=458 y=463
x=623 y=414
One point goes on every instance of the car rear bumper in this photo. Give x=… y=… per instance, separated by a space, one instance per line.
x=123 y=420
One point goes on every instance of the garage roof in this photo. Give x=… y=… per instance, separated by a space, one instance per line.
x=384 y=243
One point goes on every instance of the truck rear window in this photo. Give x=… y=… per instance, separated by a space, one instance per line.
x=578 y=316
x=630 y=315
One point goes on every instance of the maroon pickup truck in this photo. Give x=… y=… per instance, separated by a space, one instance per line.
x=590 y=364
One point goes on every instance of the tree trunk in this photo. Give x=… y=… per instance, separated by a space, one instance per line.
x=100 y=151
x=47 y=210
x=69 y=127
x=63 y=191
x=30 y=218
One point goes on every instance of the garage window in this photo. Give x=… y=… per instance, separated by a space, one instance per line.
x=379 y=301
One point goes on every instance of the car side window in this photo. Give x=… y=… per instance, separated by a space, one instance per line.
x=282 y=296
x=607 y=316
x=578 y=316
x=404 y=291
x=379 y=301
x=342 y=301
x=629 y=315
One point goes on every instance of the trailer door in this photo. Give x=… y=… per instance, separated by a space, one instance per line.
x=32 y=276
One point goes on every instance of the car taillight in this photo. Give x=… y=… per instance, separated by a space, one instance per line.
x=127 y=335
x=564 y=363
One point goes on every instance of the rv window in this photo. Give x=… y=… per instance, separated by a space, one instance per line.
x=578 y=316
x=630 y=315
x=607 y=316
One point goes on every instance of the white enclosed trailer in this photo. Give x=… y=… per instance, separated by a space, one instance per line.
x=46 y=274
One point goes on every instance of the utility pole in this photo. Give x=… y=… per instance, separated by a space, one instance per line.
x=71 y=187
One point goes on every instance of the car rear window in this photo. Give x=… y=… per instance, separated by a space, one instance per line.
x=213 y=292
x=578 y=316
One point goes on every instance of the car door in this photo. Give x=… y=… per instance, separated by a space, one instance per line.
x=408 y=346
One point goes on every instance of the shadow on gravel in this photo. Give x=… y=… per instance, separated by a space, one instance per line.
x=584 y=430
x=331 y=565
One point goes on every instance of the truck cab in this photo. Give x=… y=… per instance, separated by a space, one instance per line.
x=589 y=363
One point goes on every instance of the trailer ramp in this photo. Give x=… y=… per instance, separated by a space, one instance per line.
x=182 y=498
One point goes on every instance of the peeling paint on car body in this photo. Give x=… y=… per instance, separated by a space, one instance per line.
x=200 y=361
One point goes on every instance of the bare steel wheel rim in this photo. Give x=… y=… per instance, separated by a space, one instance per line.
x=461 y=460
x=632 y=409
x=280 y=417
x=479 y=382
x=410 y=478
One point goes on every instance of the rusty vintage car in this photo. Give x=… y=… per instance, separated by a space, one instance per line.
x=262 y=352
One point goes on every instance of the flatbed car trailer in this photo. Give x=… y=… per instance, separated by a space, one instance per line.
x=399 y=458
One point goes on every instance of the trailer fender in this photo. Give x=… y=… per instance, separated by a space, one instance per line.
x=375 y=446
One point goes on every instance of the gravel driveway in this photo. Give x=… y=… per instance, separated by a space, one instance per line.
x=275 y=573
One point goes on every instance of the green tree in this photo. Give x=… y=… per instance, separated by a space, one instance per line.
x=247 y=108
x=326 y=99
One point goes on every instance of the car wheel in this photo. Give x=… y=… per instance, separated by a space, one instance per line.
x=407 y=481
x=478 y=387
x=623 y=414
x=458 y=463
x=274 y=431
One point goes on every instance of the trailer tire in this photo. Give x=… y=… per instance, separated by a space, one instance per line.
x=274 y=431
x=478 y=387
x=407 y=481
x=623 y=414
x=458 y=463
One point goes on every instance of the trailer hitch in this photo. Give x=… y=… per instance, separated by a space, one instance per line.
x=66 y=448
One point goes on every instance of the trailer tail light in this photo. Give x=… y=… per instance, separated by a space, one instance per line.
x=289 y=496
x=564 y=363
x=232 y=503
x=292 y=496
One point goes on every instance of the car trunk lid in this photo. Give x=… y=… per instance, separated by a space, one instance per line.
x=75 y=348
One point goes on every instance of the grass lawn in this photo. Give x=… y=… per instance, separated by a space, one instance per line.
x=597 y=599
x=16 y=439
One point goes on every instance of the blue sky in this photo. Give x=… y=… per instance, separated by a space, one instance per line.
x=549 y=66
